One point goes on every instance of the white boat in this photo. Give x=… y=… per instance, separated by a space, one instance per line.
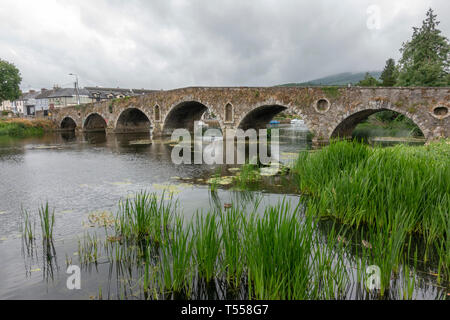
x=201 y=124
x=297 y=122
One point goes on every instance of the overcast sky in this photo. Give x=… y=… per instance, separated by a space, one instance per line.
x=177 y=43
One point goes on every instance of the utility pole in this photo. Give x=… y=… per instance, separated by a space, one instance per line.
x=76 y=87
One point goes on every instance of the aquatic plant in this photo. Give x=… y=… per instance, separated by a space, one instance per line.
x=248 y=176
x=395 y=192
x=284 y=252
x=47 y=220
x=145 y=217
x=207 y=244
x=27 y=228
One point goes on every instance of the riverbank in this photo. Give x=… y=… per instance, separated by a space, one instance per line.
x=21 y=128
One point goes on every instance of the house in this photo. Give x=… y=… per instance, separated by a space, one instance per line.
x=42 y=101
x=17 y=106
x=28 y=103
x=66 y=97
x=101 y=94
x=6 y=106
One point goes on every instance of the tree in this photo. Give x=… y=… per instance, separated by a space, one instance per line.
x=425 y=58
x=368 y=81
x=10 y=80
x=389 y=74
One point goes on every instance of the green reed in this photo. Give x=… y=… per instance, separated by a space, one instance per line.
x=145 y=217
x=248 y=176
x=393 y=193
x=232 y=257
x=273 y=255
x=47 y=220
x=27 y=228
x=276 y=252
x=89 y=249
x=177 y=259
x=207 y=244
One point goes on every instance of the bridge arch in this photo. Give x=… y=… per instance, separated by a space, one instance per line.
x=132 y=120
x=68 y=124
x=259 y=117
x=348 y=122
x=94 y=122
x=183 y=115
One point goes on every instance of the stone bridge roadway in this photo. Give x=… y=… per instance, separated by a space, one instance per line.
x=327 y=111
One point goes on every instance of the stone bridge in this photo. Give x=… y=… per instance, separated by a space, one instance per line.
x=327 y=111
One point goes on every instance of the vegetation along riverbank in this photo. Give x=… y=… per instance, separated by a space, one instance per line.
x=25 y=128
x=391 y=196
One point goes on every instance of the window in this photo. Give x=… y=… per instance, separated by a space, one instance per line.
x=228 y=113
x=157 y=113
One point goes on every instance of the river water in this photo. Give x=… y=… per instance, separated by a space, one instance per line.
x=85 y=173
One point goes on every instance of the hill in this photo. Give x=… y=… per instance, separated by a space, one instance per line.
x=340 y=79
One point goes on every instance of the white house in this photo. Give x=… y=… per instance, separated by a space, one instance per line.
x=6 y=106
x=65 y=97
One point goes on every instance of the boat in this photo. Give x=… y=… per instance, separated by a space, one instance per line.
x=297 y=122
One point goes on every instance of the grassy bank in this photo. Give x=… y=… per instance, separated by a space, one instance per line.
x=391 y=196
x=24 y=128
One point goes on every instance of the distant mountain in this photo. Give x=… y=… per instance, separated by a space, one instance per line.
x=340 y=79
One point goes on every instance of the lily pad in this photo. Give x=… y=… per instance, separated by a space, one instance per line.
x=122 y=183
x=140 y=142
x=170 y=188
x=269 y=171
x=101 y=219
x=221 y=180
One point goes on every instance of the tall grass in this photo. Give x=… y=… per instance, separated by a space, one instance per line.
x=145 y=217
x=47 y=219
x=276 y=255
x=248 y=177
x=237 y=251
x=232 y=258
x=27 y=228
x=207 y=245
x=393 y=192
x=23 y=128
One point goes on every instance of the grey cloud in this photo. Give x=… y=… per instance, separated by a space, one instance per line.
x=168 y=44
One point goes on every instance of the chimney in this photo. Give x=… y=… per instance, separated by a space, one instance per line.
x=32 y=91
